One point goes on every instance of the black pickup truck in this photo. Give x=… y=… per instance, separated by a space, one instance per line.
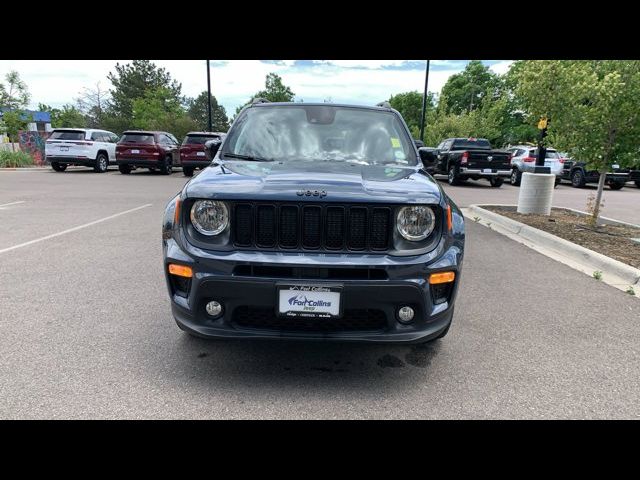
x=579 y=175
x=468 y=158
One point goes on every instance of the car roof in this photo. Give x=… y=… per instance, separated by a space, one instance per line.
x=316 y=104
x=531 y=147
x=146 y=132
x=206 y=133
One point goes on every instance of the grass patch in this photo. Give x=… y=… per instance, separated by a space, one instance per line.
x=15 y=159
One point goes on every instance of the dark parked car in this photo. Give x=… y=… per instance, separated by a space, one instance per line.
x=579 y=175
x=193 y=153
x=152 y=150
x=471 y=158
x=315 y=221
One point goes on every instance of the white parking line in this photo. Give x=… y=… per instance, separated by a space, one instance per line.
x=79 y=227
x=12 y=203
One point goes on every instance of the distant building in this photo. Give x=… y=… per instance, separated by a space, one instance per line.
x=41 y=120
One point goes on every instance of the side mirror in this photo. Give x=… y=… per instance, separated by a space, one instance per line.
x=419 y=143
x=212 y=147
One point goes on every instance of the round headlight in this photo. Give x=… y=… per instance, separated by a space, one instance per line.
x=209 y=217
x=415 y=223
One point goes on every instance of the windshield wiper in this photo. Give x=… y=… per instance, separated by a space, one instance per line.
x=246 y=157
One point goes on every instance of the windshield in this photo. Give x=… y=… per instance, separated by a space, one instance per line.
x=321 y=133
x=67 y=135
x=137 y=138
x=198 y=139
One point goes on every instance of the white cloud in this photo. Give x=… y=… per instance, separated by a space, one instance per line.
x=501 y=67
x=56 y=82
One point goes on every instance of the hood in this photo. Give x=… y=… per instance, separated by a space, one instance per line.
x=333 y=182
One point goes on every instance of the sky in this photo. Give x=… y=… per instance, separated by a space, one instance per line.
x=233 y=82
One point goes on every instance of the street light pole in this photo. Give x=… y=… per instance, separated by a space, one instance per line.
x=209 y=96
x=424 y=102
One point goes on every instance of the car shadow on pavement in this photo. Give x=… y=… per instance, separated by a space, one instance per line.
x=300 y=364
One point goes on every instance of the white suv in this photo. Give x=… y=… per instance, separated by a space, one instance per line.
x=81 y=146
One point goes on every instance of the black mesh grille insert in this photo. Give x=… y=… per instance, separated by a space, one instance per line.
x=289 y=226
x=379 y=235
x=352 y=320
x=357 y=228
x=266 y=226
x=335 y=227
x=311 y=227
x=244 y=225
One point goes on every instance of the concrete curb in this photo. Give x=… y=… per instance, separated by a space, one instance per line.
x=572 y=251
x=19 y=169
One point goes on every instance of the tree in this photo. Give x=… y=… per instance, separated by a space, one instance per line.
x=92 y=102
x=592 y=107
x=409 y=104
x=14 y=93
x=198 y=111
x=68 y=117
x=465 y=90
x=14 y=121
x=274 y=91
x=133 y=81
x=158 y=109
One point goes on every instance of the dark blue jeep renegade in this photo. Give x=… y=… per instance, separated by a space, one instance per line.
x=314 y=221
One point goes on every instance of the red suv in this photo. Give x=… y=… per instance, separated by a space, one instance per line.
x=194 y=154
x=152 y=150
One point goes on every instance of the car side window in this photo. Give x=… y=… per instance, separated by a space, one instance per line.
x=447 y=145
x=96 y=136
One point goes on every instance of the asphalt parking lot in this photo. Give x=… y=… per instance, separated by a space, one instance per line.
x=87 y=330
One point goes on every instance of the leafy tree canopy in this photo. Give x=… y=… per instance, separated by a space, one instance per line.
x=14 y=93
x=199 y=112
x=465 y=90
x=274 y=91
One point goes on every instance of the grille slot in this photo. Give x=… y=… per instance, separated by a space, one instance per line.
x=379 y=235
x=311 y=234
x=289 y=226
x=266 y=226
x=357 y=228
x=243 y=225
x=335 y=228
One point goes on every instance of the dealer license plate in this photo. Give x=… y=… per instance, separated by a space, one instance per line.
x=312 y=301
x=200 y=154
x=487 y=170
x=135 y=151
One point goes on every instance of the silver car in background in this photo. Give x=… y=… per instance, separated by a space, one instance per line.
x=523 y=159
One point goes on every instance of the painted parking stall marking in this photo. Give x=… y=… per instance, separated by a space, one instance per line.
x=74 y=229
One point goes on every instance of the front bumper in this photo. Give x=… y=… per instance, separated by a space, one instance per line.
x=215 y=277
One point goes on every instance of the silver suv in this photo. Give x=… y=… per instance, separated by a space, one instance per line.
x=523 y=159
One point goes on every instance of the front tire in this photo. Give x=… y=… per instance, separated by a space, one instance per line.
x=452 y=177
x=102 y=163
x=638 y=183
x=58 y=167
x=577 y=179
x=516 y=177
x=188 y=171
x=496 y=182
x=124 y=169
x=166 y=168
x=616 y=185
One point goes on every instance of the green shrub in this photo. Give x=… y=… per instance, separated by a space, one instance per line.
x=15 y=159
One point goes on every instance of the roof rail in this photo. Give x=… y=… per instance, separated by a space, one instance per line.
x=259 y=100
x=383 y=105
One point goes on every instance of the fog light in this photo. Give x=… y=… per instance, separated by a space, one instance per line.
x=214 y=308
x=405 y=314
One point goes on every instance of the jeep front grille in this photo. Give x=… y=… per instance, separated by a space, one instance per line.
x=311 y=227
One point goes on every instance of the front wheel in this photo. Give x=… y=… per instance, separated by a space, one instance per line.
x=188 y=171
x=496 y=182
x=58 y=167
x=166 y=167
x=102 y=163
x=638 y=183
x=124 y=169
x=516 y=177
x=453 y=175
x=616 y=185
x=577 y=179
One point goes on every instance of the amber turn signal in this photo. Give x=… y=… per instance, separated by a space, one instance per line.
x=180 y=270
x=442 y=277
x=449 y=222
